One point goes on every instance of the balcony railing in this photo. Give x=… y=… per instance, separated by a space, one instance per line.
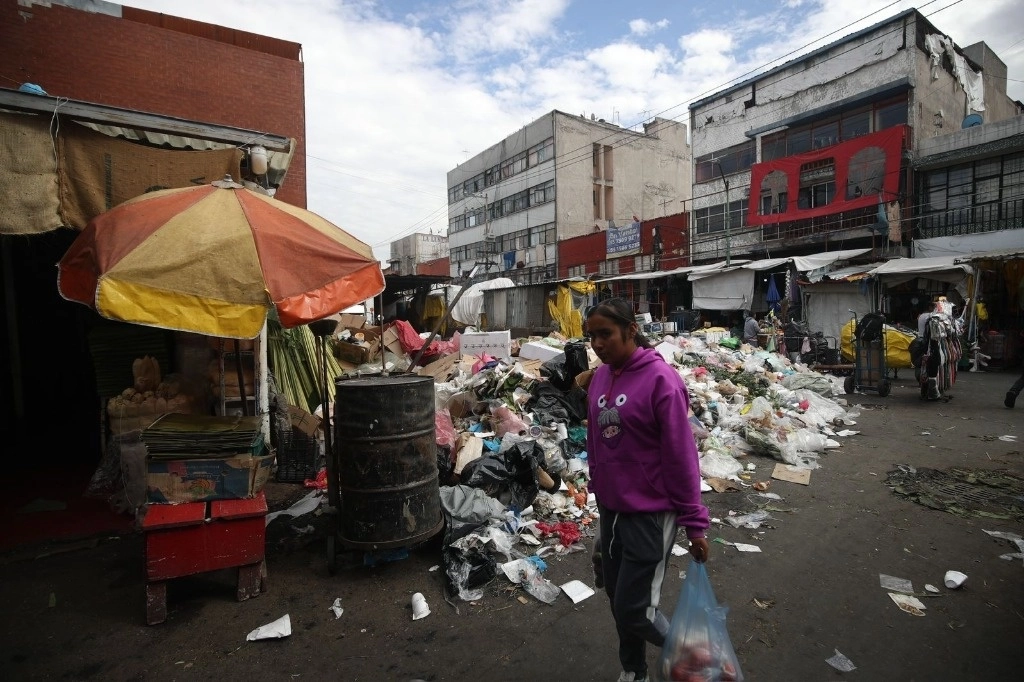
x=1008 y=215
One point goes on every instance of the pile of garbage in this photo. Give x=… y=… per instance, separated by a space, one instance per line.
x=512 y=444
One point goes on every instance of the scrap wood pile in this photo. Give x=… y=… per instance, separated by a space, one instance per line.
x=512 y=446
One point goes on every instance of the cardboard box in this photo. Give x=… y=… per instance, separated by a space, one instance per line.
x=441 y=369
x=200 y=480
x=392 y=342
x=644 y=318
x=303 y=421
x=538 y=350
x=353 y=353
x=462 y=404
x=350 y=321
x=495 y=344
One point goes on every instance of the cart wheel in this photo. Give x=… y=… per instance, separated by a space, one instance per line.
x=848 y=384
x=883 y=388
x=332 y=555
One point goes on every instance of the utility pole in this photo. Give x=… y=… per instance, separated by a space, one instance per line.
x=728 y=235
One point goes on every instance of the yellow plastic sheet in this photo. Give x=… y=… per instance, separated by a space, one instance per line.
x=897 y=346
x=563 y=311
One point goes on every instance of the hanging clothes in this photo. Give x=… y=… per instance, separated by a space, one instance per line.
x=941 y=357
x=892 y=213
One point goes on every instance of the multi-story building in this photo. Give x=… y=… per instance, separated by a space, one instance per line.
x=816 y=152
x=408 y=253
x=560 y=176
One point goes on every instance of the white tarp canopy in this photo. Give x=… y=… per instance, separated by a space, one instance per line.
x=733 y=288
x=962 y=246
x=469 y=307
x=711 y=267
x=827 y=305
x=730 y=290
x=940 y=268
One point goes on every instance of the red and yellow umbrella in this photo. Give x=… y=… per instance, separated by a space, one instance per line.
x=214 y=260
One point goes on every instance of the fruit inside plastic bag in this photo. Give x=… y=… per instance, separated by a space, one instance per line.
x=698 y=648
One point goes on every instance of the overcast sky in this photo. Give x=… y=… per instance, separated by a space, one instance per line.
x=399 y=92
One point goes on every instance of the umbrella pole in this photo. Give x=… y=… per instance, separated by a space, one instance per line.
x=380 y=314
x=241 y=378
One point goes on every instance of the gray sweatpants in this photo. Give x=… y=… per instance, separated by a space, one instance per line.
x=634 y=556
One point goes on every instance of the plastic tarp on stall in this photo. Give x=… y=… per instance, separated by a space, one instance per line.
x=943 y=269
x=897 y=346
x=827 y=305
x=469 y=307
x=733 y=289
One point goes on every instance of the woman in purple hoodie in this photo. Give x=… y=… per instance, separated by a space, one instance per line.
x=644 y=473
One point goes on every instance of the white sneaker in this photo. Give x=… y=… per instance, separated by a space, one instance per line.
x=631 y=677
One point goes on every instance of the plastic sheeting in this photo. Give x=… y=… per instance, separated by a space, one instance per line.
x=733 y=290
x=469 y=307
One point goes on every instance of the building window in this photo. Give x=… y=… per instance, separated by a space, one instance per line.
x=540 y=153
x=608 y=267
x=984 y=191
x=817 y=184
x=577 y=271
x=732 y=160
x=712 y=219
x=643 y=263
x=834 y=129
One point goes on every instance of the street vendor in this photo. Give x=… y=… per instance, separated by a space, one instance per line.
x=644 y=473
x=750 y=328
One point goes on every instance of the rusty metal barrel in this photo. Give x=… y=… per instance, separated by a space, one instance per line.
x=386 y=451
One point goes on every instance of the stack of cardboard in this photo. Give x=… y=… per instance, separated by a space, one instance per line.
x=197 y=458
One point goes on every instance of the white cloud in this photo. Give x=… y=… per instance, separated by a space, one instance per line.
x=642 y=27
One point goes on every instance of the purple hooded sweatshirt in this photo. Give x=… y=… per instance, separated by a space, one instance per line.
x=641 y=451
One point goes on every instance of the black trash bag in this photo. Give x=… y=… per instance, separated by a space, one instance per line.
x=509 y=476
x=869 y=328
x=576 y=360
x=550 y=404
x=554 y=370
x=465 y=570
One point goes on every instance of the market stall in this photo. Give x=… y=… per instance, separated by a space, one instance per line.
x=213 y=260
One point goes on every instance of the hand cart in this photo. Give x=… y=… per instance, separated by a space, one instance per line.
x=869 y=364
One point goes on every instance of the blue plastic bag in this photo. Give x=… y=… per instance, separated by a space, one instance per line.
x=697 y=648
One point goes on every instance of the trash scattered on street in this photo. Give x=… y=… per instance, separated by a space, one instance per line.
x=577 y=590
x=1012 y=537
x=893 y=584
x=678 y=550
x=954 y=579
x=337 y=609
x=740 y=546
x=419 y=606
x=931 y=588
x=751 y=520
x=278 y=629
x=841 y=663
x=793 y=474
x=908 y=603
x=307 y=504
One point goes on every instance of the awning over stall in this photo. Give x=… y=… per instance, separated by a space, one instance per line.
x=941 y=268
x=733 y=288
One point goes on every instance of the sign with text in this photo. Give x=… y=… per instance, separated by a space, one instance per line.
x=623 y=241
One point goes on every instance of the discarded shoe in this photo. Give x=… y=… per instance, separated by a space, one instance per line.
x=1011 y=398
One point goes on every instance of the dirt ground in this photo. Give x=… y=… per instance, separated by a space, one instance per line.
x=76 y=611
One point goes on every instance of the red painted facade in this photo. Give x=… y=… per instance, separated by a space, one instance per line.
x=154 y=63
x=590 y=250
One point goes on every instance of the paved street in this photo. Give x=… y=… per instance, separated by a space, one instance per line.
x=813 y=589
